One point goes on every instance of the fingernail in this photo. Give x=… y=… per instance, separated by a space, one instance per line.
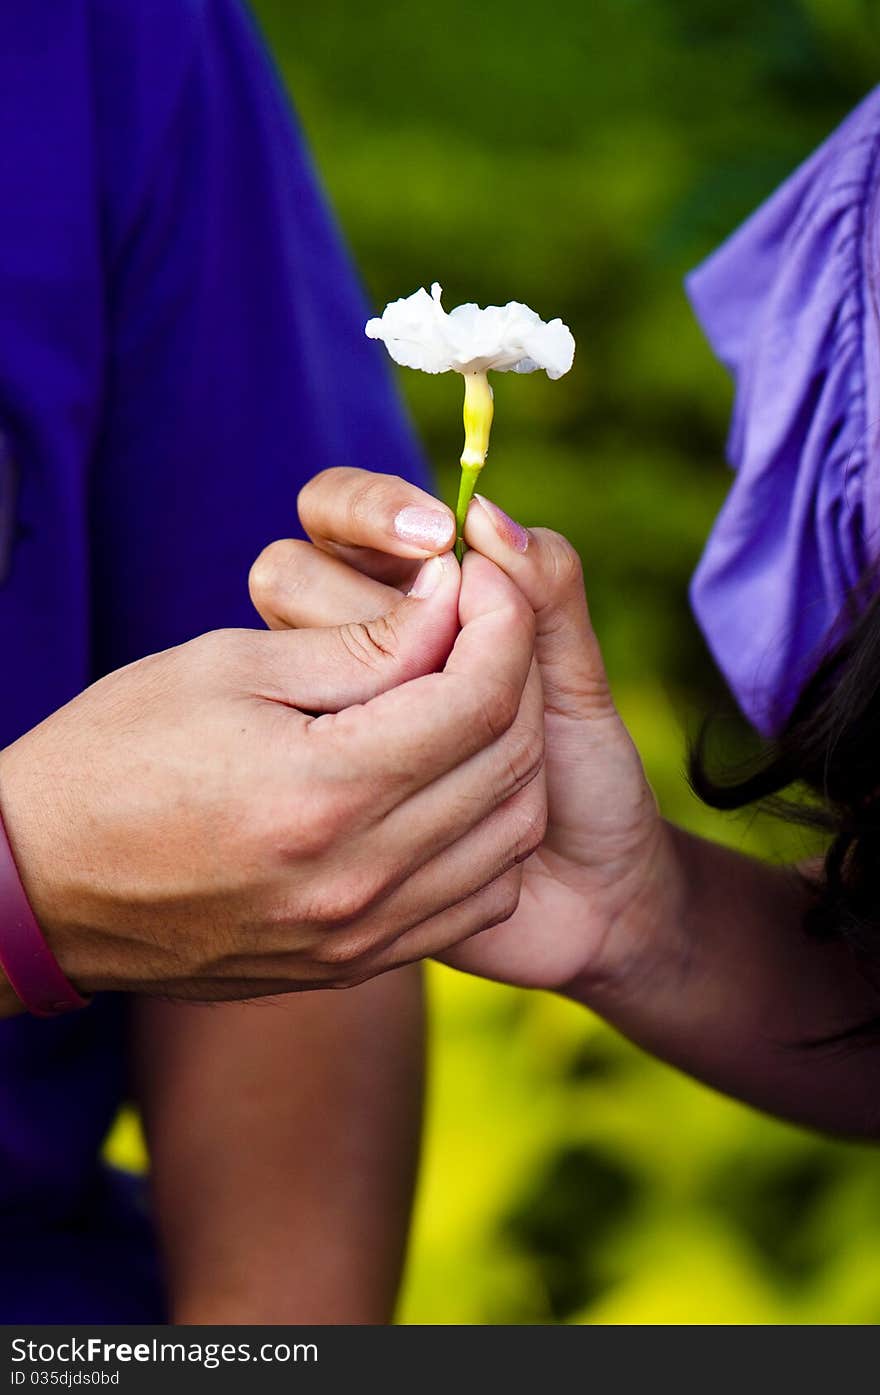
x=428 y=579
x=512 y=533
x=428 y=528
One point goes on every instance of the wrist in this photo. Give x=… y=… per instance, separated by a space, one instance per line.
x=647 y=937
x=27 y=830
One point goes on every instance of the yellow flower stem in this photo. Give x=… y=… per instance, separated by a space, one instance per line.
x=478 y=413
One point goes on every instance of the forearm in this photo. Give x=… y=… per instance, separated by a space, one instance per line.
x=729 y=987
x=284 y=1139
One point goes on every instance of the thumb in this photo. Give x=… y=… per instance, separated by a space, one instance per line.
x=327 y=669
x=547 y=570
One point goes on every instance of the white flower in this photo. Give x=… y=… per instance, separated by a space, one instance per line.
x=418 y=333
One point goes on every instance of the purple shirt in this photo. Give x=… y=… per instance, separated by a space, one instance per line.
x=789 y=303
x=181 y=347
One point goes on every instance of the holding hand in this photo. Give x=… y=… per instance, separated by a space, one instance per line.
x=606 y=868
x=694 y=951
x=188 y=826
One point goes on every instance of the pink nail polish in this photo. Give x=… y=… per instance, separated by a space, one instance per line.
x=423 y=527
x=509 y=532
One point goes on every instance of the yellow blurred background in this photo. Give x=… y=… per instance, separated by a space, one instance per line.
x=581 y=156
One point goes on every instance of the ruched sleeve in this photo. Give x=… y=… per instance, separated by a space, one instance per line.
x=788 y=305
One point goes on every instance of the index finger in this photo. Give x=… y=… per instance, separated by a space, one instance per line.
x=404 y=739
x=381 y=524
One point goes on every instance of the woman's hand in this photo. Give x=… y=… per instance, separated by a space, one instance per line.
x=188 y=827
x=608 y=867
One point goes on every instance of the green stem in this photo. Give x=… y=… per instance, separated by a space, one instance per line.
x=469 y=476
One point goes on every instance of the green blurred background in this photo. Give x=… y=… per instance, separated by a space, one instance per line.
x=581 y=156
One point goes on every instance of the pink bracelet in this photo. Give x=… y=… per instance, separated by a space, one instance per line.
x=27 y=961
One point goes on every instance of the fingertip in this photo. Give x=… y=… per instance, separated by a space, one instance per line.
x=482 y=513
x=544 y=564
x=432 y=603
x=437 y=572
x=424 y=623
x=360 y=508
x=485 y=586
x=477 y=568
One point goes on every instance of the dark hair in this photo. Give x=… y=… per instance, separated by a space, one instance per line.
x=823 y=771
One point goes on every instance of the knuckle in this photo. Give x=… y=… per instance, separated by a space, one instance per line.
x=374 y=498
x=275 y=571
x=318 y=828
x=362 y=502
x=505 y=898
x=372 y=643
x=325 y=816
x=519 y=627
x=336 y=953
x=519 y=621
x=562 y=563
x=330 y=819
x=523 y=755
x=346 y=953
x=498 y=707
x=344 y=900
x=315 y=486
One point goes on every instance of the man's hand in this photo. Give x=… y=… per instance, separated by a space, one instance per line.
x=188 y=825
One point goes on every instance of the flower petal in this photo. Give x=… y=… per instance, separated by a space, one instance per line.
x=418 y=333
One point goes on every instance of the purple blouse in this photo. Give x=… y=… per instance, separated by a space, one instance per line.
x=181 y=347
x=789 y=305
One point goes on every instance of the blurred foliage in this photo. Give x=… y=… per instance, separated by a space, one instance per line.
x=581 y=157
